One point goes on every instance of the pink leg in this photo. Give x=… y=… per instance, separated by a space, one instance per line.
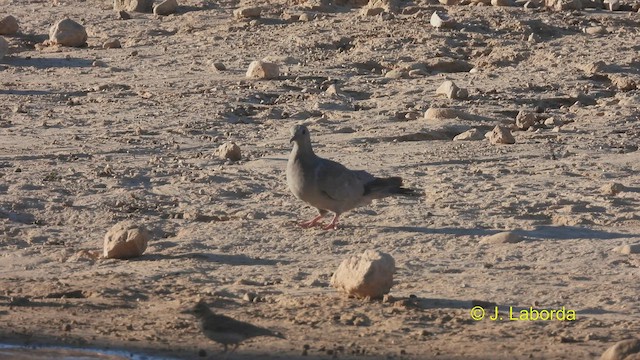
x=334 y=223
x=312 y=222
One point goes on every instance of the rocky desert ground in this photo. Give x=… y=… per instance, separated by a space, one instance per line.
x=94 y=135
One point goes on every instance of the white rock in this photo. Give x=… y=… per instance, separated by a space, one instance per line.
x=263 y=70
x=440 y=20
x=626 y=349
x=367 y=275
x=247 y=12
x=4 y=47
x=67 y=33
x=500 y=135
x=8 y=25
x=125 y=240
x=451 y=90
x=506 y=237
x=525 y=120
x=469 y=135
x=166 y=7
x=229 y=151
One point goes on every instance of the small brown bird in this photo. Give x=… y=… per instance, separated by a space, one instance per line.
x=225 y=330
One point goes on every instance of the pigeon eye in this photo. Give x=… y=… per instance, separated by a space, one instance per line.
x=304 y=131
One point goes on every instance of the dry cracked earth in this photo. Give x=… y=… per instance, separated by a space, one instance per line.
x=92 y=136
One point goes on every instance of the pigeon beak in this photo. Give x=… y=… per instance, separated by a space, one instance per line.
x=292 y=139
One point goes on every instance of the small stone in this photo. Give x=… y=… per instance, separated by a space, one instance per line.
x=500 y=135
x=525 y=120
x=165 y=8
x=218 y=66
x=67 y=33
x=441 y=114
x=66 y=327
x=4 y=47
x=112 y=44
x=263 y=70
x=501 y=3
x=469 y=135
x=367 y=11
x=249 y=297
x=595 y=30
x=628 y=249
x=247 y=12
x=125 y=240
x=564 y=5
x=144 y=6
x=396 y=74
x=229 y=151
x=613 y=188
x=8 y=25
x=612 y=5
x=369 y=275
x=305 y=17
x=123 y=15
x=451 y=90
x=552 y=121
x=439 y=20
x=533 y=38
x=623 y=350
x=332 y=90
x=623 y=83
x=506 y=237
x=593 y=67
x=449 y=2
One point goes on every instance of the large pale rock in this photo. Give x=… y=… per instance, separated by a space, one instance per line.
x=469 y=135
x=8 y=25
x=144 y=6
x=451 y=90
x=367 y=275
x=623 y=350
x=441 y=114
x=229 y=151
x=263 y=70
x=166 y=7
x=628 y=249
x=500 y=135
x=67 y=33
x=4 y=47
x=563 y=5
x=525 y=120
x=125 y=240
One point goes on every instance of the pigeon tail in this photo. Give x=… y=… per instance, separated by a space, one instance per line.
x=381 y=187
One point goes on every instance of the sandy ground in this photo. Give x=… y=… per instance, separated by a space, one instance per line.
x=133 y=136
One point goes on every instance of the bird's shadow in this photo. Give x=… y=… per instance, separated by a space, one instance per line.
x=540 y=232
x=228 y=259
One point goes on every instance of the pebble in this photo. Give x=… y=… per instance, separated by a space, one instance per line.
x=612 y=5
x=111 y=44
x=67 y=33
x=229 y=151
x=4 y=47
x=506 y=237
x=469 y=135
x=525 y=119
x=369 y=275
x=8 y=25
x=623 y=83
x=451 y=90
x=613 y=188
x=553 y=121
x=501 y=3
x=563 y=5
x=305 y=17
x=626 y=349
x=125 y=240
x=218 y=66
x=247 y=12
x=123 y=15
x=595 y=30
x=263 y=70
x=628 y=249
x=396 y=74
x=500 y=135
x=166 y=7
x=439 y=20
x=533 y=38
x=144 y=6
x=371 y=11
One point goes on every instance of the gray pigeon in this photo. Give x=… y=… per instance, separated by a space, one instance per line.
x=330 y=186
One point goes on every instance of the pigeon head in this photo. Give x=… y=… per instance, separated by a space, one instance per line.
x=300 y=134
x=199 y=310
